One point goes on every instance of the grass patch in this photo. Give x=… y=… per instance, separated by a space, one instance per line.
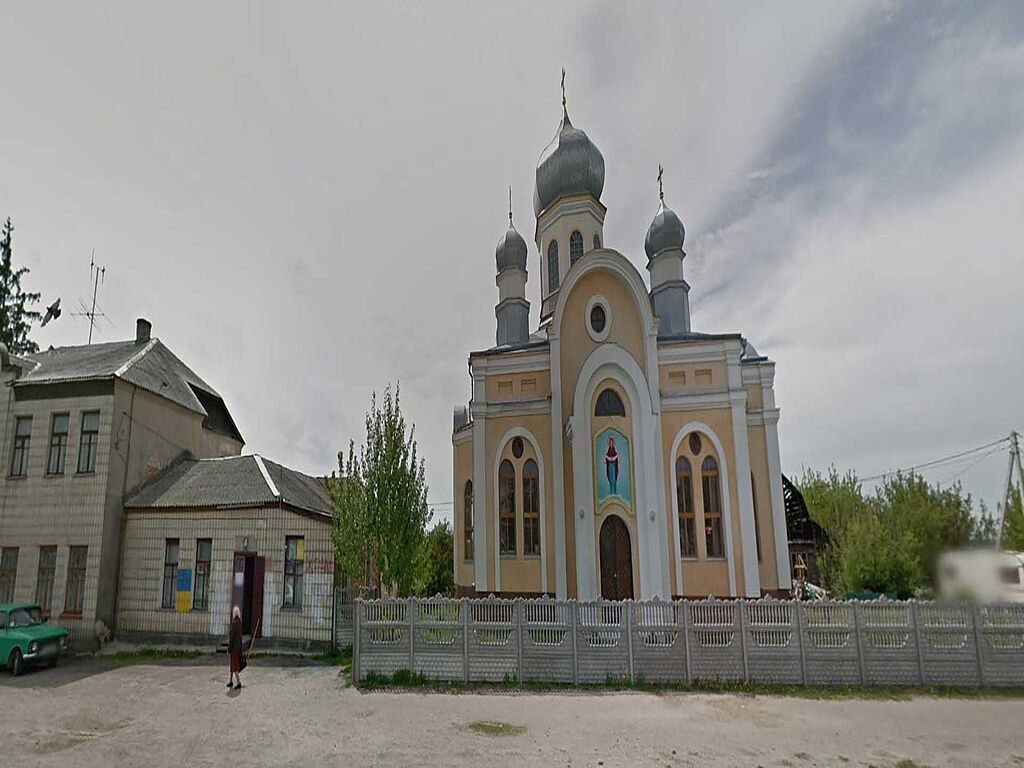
x=404 y=679
x=335 y=657
x=909 y=764
x=495 y=728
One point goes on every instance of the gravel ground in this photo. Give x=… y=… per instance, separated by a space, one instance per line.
x=92 y=712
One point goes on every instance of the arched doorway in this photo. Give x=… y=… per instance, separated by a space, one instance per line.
x=616 y=560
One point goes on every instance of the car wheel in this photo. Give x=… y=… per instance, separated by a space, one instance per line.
x=17 y=664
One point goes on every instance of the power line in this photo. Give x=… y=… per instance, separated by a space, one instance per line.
x=938 y=462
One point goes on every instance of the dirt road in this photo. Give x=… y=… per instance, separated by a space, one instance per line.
x=154 y=715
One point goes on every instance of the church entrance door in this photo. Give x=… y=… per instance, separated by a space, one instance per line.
x=616 y=560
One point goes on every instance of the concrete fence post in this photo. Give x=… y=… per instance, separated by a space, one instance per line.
x=410 y=606
x=464 y=618
x=857 y=627
x=357 y=613
x=686 y=642
x=573 y=607
x=976 y=621
x=627 y=608
x=798 y=609
x=915 y=611
x=520 y=615
x=741 y=606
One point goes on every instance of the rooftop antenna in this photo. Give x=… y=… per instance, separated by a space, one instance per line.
x=97 y=274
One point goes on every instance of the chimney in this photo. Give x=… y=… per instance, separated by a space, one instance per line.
x=142 y=330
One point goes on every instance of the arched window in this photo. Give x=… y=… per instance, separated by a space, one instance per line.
x=712 y=508
x=597 y=241
x=757 y=523
x=687 y=518
x=575 y=247
x=507 y=508
x=609 y=404
x=553 y=266
x=467 y=521
x=531 y=508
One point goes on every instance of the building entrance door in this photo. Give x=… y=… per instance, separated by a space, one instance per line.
x=616 y=560
x=247 y=590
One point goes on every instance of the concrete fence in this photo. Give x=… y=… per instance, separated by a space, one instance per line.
x=758 y=641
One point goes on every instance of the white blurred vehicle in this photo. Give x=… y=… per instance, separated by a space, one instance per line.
x=983 y=575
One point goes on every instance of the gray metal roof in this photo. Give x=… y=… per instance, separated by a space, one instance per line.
x=149 y=365
x=666 y=232
x=235 y=481
x=570 y=165
x=511 y=250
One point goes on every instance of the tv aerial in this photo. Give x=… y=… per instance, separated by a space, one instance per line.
x=97 y=274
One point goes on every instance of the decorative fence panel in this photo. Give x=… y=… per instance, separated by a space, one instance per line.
x=759 y=641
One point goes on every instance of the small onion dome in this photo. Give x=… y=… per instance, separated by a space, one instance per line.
x=569 y=165
x=511 y=250
x=666 y=233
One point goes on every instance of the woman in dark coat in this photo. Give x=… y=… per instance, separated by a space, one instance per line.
x=235 y=648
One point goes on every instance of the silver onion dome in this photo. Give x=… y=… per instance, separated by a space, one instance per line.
x=511 y=250
x=666 y=232
x=569 y=165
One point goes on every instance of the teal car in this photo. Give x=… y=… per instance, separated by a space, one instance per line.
x=26 y=638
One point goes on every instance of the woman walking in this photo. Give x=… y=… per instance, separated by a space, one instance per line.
x=235 y=648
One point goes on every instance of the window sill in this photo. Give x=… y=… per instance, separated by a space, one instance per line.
x=535 y=558
x=689 y=558
x=467 y=561
x=18 y=477
x=717 y=559
x=53 y=474
x=291 y=608
x=508 y=556
x=199 y=610
x=86 y=474
x=71 y=615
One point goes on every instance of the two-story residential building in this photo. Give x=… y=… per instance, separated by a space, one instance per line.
x=82 y=428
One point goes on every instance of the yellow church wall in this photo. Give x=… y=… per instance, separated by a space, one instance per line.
x=463 y=471
x=520 y=573
x=506 y=387
x=575 y=344
x=570 y=519
x=702 y=576
x=676 y=378
x=762 y=495
x=755 y=399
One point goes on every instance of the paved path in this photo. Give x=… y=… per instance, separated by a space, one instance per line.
x=86 y=713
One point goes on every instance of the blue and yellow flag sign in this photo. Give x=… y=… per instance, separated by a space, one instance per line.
x=183 y=597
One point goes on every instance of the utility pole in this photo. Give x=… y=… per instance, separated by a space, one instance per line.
x=1008 y=486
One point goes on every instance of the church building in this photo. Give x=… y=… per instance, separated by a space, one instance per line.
x=613 y=452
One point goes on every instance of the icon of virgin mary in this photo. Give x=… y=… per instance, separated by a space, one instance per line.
x=611 y=466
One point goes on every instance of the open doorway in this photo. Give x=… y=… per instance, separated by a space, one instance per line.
x=247 y=590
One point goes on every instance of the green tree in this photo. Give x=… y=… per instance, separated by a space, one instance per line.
x=888 y=541
x=15 y=312
x=1013 y=524
x=436 y=571
x=380 y=500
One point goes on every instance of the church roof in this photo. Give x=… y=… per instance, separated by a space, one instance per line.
x=570 y=165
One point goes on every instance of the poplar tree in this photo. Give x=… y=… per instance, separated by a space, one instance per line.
x=380 y=502
x=15 y=312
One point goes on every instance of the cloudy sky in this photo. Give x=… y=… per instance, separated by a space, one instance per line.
x=304 y=198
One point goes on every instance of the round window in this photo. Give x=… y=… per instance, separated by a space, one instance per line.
x=517 y=447
x=598 y=319
x=694 y=443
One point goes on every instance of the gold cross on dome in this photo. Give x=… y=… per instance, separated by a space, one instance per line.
x=661 y=191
